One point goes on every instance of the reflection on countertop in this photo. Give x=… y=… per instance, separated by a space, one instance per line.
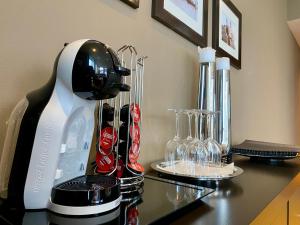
x=241 y=199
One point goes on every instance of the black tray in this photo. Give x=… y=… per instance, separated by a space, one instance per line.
x=266 y=150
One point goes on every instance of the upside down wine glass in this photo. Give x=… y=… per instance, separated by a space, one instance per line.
x=197 y=150
x=213 y=147
x=189 y=139
x=202 y=152
x=174 y=147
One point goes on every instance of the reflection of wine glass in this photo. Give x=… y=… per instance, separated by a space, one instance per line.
x=191 y=194
x=213 y=147
x=175 y=194
x=174 y=147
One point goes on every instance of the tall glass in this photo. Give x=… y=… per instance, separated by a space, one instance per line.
x=174 y=147
x=197 y=150
x=189 y=139
x=213 y=147
x=203 y=151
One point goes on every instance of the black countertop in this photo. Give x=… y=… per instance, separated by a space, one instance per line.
x=155 y=201
x=239 y=200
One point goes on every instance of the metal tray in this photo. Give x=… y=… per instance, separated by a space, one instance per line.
x=156 y=166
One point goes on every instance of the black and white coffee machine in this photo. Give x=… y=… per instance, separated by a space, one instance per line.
x=50 y=131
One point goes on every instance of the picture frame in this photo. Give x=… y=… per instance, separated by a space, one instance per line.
x=188 y=18
x=133 y=3
x=227 y=31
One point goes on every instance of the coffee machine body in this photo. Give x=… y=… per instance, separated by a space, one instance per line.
x=50 y=131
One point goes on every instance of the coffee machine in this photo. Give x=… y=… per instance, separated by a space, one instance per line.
x=50 y=131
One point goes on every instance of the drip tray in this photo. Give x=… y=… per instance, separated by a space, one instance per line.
x=86 y=195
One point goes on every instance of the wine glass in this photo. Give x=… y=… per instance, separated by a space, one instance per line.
x=174 y=147
x=184 y=158
x=203 y=153
x=213 y=147
x=197 y=150
x=188 y=140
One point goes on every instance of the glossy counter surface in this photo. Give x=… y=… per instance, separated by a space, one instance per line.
x=239 y=200
x=154 y=202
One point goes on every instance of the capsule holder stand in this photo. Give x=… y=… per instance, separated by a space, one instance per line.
x=119 y=126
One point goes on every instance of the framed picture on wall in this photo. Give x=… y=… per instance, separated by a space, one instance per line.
x=227 y=31
x=186 y=17
x=133 y=3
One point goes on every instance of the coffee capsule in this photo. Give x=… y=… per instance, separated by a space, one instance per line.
x=108 y=138
x=105 y=163
x=120 y=168
x=134 y=152
x=135 y=113
x=107 y=112
x=136 y=167
x=134 y=133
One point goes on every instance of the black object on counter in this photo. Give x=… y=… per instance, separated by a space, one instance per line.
x=266 y=150
x=86 y=191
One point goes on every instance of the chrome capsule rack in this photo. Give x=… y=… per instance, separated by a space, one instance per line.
x=119 y=123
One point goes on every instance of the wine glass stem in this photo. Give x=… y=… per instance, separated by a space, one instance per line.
x=201 y=124
x=190 y=125
x=210 y=130
x=212 y=126
x=196 y=126
x=177 y=125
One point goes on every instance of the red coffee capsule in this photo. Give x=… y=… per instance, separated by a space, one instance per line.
x=135 y=133
x=105 y=151
x=137 y=167
x=120 y=168
x=133 y=214
x=105 y=163
x=135 y=112
x=134 y=152
x=108 y=137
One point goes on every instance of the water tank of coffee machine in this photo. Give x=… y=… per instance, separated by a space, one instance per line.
x=12 y=131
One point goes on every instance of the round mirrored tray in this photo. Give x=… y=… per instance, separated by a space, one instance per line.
x=160 y=165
